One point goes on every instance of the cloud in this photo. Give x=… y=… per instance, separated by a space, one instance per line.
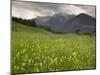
x=91 y=10
x=77 y=9
x=72 y=9
x=30 y=10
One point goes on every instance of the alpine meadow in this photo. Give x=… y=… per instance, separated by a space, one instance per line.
x=50 y=43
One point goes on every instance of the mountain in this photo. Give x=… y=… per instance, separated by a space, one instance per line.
x=56 y=22
x=84 y=23
x=83 y=19
x=65 y=23
x=41 y=21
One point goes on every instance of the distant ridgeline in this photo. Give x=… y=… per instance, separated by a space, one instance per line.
x=63 y=23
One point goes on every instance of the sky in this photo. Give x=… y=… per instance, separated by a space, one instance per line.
x=29 y=10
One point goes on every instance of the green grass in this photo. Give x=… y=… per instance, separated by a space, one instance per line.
x=37 y=50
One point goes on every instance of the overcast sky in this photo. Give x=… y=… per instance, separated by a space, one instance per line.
x=28 y=10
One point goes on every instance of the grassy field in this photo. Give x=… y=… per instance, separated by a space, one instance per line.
x=37 y=50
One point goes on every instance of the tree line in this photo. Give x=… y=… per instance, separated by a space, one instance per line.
x=27 y=22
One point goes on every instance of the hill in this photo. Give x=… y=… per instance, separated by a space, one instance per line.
x=20 y=28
